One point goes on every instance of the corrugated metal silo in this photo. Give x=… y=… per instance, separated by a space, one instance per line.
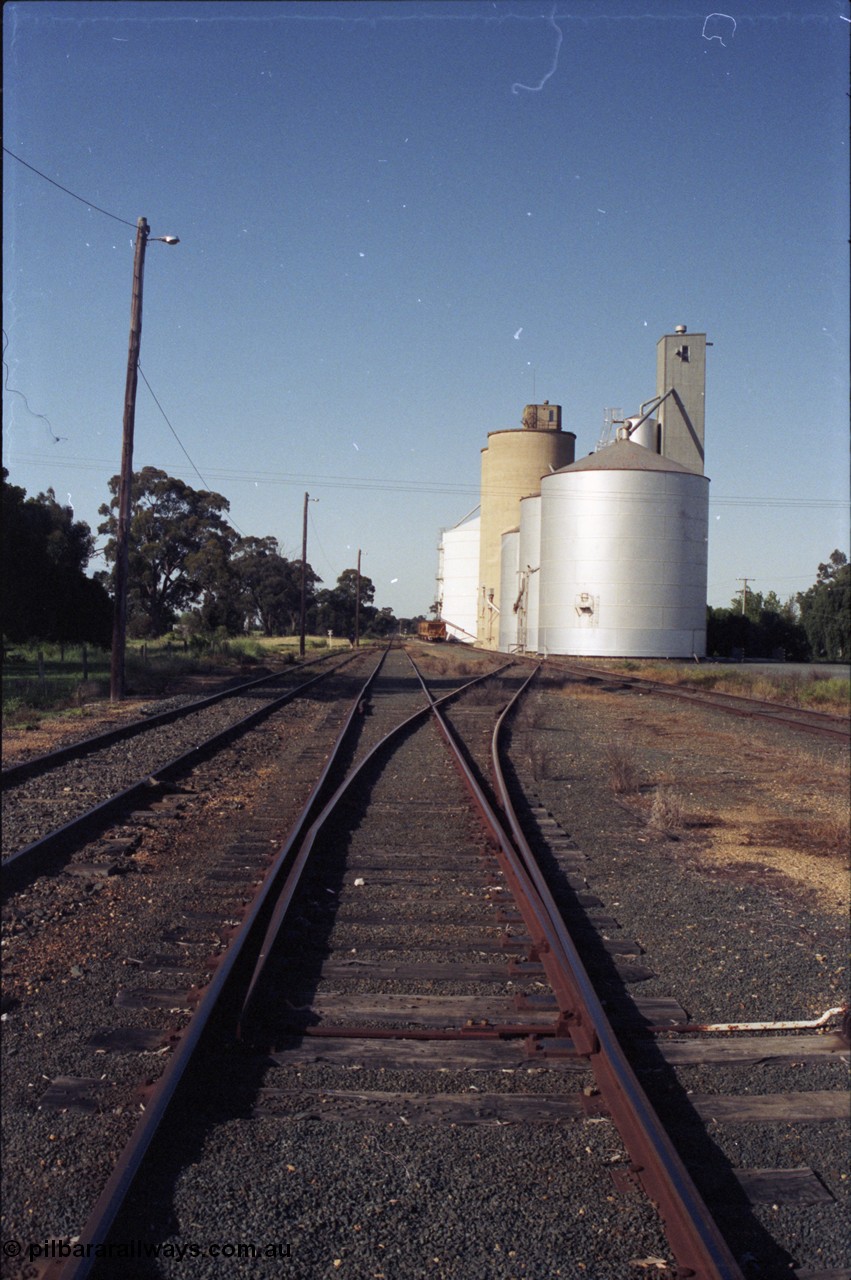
x=528 y=569
x=623 y=556
x=508 y=591
x=459 y=561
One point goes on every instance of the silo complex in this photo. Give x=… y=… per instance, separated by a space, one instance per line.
x=605 y=557
x=512 y=466
x=623 y=556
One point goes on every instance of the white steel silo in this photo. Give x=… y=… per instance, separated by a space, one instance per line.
x=644 y=431
x=623 y=556
x=459 y=571
x=528 y=574
x=508 y=591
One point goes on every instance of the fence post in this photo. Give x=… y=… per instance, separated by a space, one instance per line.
x=85 y=656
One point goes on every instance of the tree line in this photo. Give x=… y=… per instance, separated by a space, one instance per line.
x=815 y=624
x=189 y=567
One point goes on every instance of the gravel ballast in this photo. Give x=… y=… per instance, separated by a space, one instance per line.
x=730 y=935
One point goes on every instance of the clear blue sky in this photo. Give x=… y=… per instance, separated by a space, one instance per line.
x=401 y=222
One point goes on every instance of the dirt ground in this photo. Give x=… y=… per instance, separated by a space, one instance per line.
x=753 y=798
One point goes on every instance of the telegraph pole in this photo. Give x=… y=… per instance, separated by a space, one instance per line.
x=125 y=484
x=125 y=480
x=745 y=582
x=303 y=578
x=357 y=605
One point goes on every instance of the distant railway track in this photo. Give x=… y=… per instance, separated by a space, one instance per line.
x=35 y=765
x=819 y=722
x=53 y=802
x=394 y=945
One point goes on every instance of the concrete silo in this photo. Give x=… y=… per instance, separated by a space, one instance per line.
x=512 y=466
x=624 y=556
x=458 y=578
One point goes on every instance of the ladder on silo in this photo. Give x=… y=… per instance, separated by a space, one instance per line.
x=610 y=417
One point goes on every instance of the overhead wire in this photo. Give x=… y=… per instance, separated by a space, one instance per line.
x=170 y=427
x=89 y=203
x=318 y=540
x=206 y=483
x=376 y=484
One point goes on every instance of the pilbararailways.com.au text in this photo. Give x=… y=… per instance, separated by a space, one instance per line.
x=127 y=1250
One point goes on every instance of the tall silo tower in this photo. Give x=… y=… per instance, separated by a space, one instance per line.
x=512 y=466
x=681 y=384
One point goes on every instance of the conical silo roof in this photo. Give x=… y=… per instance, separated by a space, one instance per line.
x=623 y=455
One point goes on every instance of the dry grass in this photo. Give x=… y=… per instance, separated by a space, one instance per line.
x=666 y=811
x=619 y=758
x=807 y=689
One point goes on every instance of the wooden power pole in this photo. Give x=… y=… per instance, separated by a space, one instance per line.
x=125 y=484
x=357 y=605
x=303 y=578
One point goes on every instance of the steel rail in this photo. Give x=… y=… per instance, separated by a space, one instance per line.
x=109 y=1203
x=111 y=1199
x=26 y=863
x=692 y=1233
x=15 y=773
x=285 y=898
x=804 y=718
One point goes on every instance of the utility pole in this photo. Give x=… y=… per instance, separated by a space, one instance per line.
x=125 y=484
x=303 y=578
x=125 y=480
x=745 y=582
x=357 y=605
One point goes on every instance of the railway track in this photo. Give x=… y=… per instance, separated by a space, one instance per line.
x=181 y=707
x=803 y=719
x=53 y=802
x=352 y=1025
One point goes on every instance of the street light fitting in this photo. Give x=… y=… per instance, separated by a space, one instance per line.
x=166 y=239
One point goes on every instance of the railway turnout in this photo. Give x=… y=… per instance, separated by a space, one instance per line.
x=401 y=1006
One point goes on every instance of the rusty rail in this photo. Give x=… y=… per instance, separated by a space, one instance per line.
x=111 y=1199
x=34 y=858
x=693 y=1235
x=694 y=1238
x=736 y=704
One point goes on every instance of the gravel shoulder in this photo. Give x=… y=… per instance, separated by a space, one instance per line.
x=740 y=908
